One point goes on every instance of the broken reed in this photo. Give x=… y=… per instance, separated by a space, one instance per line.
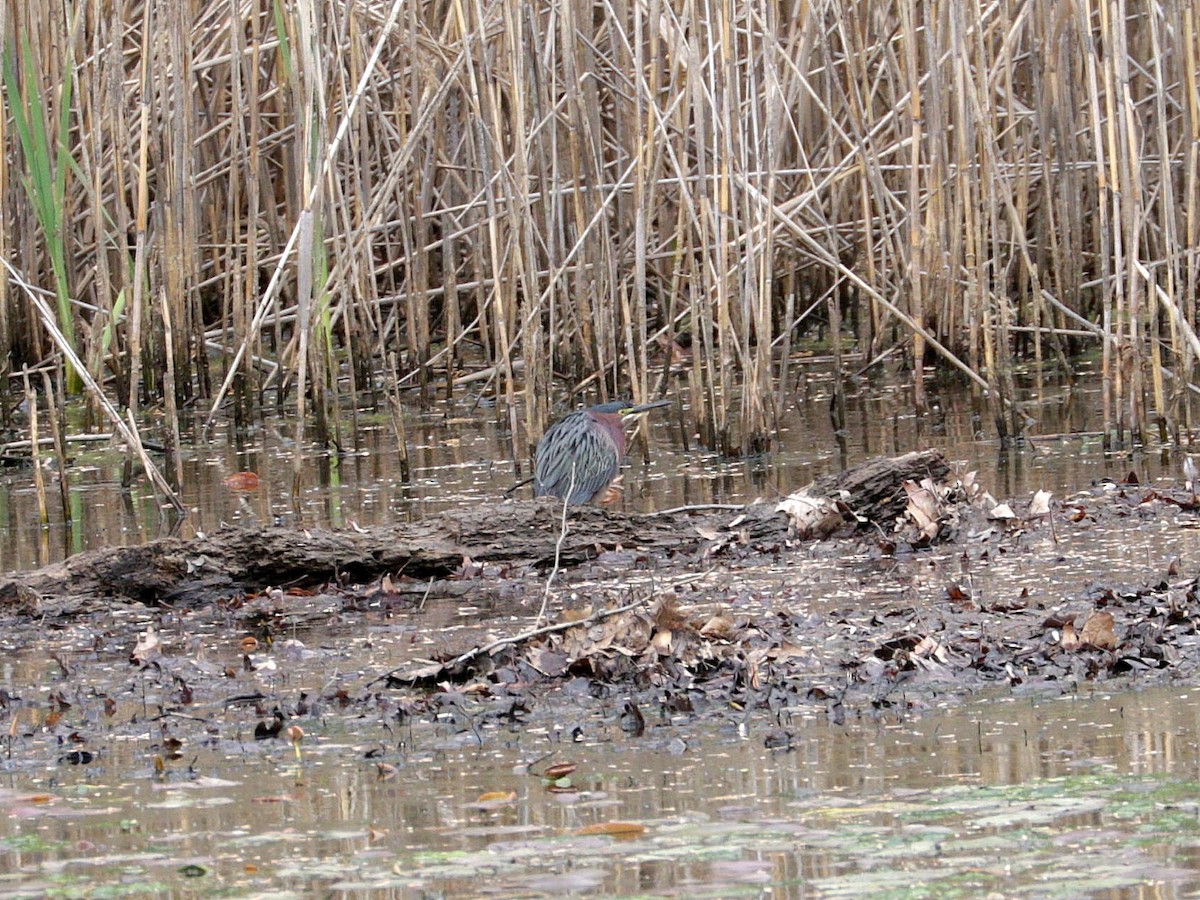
x=271 y=201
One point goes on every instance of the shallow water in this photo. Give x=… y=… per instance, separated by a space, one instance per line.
x=1095 y=794
x=1089 y=795
x=461 y=455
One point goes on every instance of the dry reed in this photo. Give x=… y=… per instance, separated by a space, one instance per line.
x=260 y=202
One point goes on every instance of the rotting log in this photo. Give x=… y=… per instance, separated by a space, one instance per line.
x=178 y=572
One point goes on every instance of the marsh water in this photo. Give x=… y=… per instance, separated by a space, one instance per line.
x=1079 y=793
x=1078 y=796
x=460 y=454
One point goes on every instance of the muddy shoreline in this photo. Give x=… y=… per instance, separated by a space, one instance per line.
x=731 y=622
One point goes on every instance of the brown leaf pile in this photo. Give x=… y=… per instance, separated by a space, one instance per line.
x=642 y=641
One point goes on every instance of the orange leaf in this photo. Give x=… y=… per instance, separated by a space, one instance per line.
x=614 y=829
x=497 y=797
x=241 y=481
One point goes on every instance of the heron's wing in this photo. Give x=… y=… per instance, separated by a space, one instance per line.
x=574 y=457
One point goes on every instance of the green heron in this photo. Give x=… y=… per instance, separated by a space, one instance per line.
x=580 y=454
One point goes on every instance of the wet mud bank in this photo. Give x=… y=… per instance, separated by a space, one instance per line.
x=885 y=591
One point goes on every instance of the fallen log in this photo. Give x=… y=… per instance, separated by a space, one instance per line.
x=178 y=572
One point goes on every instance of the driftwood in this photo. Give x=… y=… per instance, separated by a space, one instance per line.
x=177 y=572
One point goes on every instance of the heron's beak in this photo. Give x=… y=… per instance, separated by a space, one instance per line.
x=643 y=407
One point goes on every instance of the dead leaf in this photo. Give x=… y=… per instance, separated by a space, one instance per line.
x=148 y=647
x=668 y=615
x=787 y=650
x=492 y=799
x=614 y=829
x=241 y=481
x=810 y=516
x=754 y=669
x=718 y=627
x=922 y=509
x=1098 y=632
x=1069 y=640
x=632 y=721
x=661 y=641
x=549 y=663
x=931 y=648
x=1040 y=505
x=955 y=594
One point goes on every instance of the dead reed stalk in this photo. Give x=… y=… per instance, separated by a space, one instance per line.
x=561 y=189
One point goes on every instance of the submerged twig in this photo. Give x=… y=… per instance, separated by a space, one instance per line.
x=85 y=438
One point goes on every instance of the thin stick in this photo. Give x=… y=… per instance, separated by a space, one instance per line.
x=562 y=536
x=39 y=481
x=89 y=438
x=172 y=413
x=60 y=451
x=694 y=508
x=598 y=616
